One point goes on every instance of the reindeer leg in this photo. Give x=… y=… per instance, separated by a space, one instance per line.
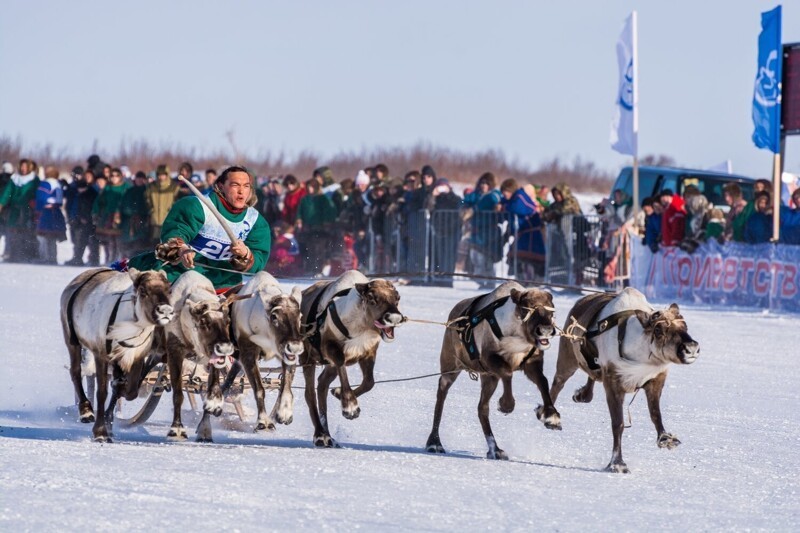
x=488 y=386
x=324 y=381
x=653 y=390
x=100 y=430
x=434 y=444
x=507 y=403
x=615 y=398
x=309 y=371
x=547 y=413
x=248 y=356
x=283 y=410
x=367 y=366
x=585 y=393
x=85 y=411
x=350 y=408
x=565 y=368
x=117 y=386
x=175 y=363
x=212 y=405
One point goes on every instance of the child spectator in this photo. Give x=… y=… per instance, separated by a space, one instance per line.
x=673 y=221
x=652 y=225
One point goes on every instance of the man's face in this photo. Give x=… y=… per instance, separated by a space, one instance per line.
x=557 y=196
x=184 y=172
x=657 y=209
x=107 y=172
x=758 y=187
x=24 y=168
x=211 y=177
x=728 y=199
x=101 y=183
x=237 y=189
x=484 y=187
x=427 y=180
x=116 y=178
x=163 y=177
x=666 y=200
x=507 y=194
x=648 y=210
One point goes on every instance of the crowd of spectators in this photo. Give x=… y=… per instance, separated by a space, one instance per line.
x=372 y=221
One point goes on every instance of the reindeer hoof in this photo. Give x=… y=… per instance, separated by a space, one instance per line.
x=86 y=418
x=325 y=441
x=103 y=439
x=264 y=426
x=582 y=396
x=506 y=407
x=550 y=421
x=337 y=393
x=618 y=468
x=435 y=448
x=351 y=414
x=203 y=439
x=668 y=441
x=497 y=454
x=286 y=421
x=176 y=434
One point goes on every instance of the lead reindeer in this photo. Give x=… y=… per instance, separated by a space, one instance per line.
x=266 y=323
x=114 y=315
x=501 y=332
x=347 y=318
x=628 y=345
x=201 y=331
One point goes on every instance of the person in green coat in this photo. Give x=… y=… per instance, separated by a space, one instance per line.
x=135 y=218
x=107 y=216
x=16 y=204
x=193 y=238
x=315 y=216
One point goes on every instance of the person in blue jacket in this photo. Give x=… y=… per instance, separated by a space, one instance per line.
x=520 y=202
x=652 y=225
x=486 y=243
x=790 y=220
x=758 y=227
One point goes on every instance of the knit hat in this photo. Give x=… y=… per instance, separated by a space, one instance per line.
x=442 y=181
x=8 y=168
x=427 y=170
x=362 y=178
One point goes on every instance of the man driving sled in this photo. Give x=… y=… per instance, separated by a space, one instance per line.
x=193 y=238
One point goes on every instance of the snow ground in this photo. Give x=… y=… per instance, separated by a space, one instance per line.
x=734 y=409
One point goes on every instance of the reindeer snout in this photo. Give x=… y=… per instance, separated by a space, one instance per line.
x=545 y=331
x=223 y=349
x=392 y=319
x=291 y=351
x=164 y=314
x=689 y=352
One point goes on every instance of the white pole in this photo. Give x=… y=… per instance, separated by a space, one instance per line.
x=776 y=197
x=635 y=28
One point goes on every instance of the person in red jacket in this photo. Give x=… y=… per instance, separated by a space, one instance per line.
x=291 y=202
x=673 y=220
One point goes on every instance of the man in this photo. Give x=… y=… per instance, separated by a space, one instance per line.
x=673 y=221
x=193 y=238
x=211 y=177
x=16 y=203
x=160 y=197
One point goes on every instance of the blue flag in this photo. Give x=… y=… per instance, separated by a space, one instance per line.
x=767 y=94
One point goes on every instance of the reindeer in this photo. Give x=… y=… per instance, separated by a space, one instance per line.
x=113 y=315
x=266 y=323
x=500 y=332
x=202 y=331
x=627 y=345
x=347 y=318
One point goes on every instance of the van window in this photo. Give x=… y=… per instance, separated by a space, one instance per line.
x=647 y=183
x=711 y=187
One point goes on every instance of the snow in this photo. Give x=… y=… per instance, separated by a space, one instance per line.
x=735 y=410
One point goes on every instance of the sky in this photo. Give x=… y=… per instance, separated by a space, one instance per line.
x=536 y=80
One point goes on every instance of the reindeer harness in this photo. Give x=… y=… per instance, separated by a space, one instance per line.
x=617 y=320
x=315 y=319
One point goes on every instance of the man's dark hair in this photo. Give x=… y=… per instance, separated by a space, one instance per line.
x=383 y=169
x=666 y=192
x=211 y=171
x=188 y=166
x=290 y=180
x=647 y=202
x=227 y=172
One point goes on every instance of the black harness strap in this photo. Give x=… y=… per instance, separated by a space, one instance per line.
x=474 y=318
x=73 y=338
x=619 y=320
x=111 y=321
x=316 y=320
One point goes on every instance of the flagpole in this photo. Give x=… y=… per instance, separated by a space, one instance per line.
x=635 y=184
x=776 y=196
x=635 y=57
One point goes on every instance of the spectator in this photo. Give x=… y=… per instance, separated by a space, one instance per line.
x=715 y=227
x=161 y=195
x=673 y=221
x=271 y=204
x=563 y=204
x=51 y=228
x=17 y=205
x=284 y=259
x=315 y=216
x=185 y=171
x=790 y=220
x=758 y=227
x=652 y=225
x=736 y=218
x=135 y=218
x=486 y=244
x=519 y=202
x=95 y=165
x=542 y=191
x=5 y=182
x=422 y=197
x=446 y=224
x=81 y=224
x=107 y=214
x=342 y=195
x=291 y=200
x=211 y=177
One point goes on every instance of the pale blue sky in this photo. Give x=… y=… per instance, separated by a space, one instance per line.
x=534 y=79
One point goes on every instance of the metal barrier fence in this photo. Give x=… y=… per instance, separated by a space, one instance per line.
x=580 y=250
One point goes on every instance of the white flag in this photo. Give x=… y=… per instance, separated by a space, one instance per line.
x=625 y=124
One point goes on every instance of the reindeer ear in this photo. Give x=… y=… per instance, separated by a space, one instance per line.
x=515 y=295
x=297 y=294
x=643 y=317
x=163 y=274
x=362 y=288
x=134 y=274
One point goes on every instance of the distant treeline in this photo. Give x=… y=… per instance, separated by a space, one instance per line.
x=456 y=165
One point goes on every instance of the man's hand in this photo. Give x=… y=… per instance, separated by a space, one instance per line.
x=187 y=257
x=242 y=256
